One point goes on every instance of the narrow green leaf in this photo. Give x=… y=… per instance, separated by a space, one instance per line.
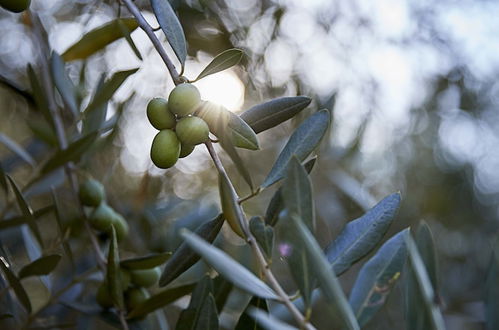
x=17 y=149
x=424 y=286
x=72 y=153
x=160 y=300
x=303 y=141
x=243 y=135
x=125 y=31
x=264 y=235
x=63 y=83
x=263 y=116
x=362 y=235
x=20 y=220
x=39 y=96
x=267 y=321
x=228 y=267
x=230 y=207
x=15 y=284
x=221 y=290
x=104 y=93
x=26 y=211
x=113 y=272
x=222 y=61
x=94 y=120
x=492 y=291
x=248 y=323
x=171 y=27
x=146 y=262
x=321 y=269
x=377 y=277
x=98 y=38
x=184 y=257
x=426 y=247
x=42 y=266
x=58 y=218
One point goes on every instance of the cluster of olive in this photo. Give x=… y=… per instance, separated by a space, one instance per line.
x=134 y=284
x=179 y=130
x=93 y=194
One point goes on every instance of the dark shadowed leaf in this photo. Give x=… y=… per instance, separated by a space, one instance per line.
x=113 y=272
x=94 y=120
x=160 y=300
x=202 y=311
x=105 y=92
x=263 y=116
x=42 y=266
x=264 y=235
x=3 y=181
x=98 y=38
x=423 y=282
x=58 y=218
x=26 y=211
x=249 y=323
x=228 y=267
x=184 y=257
x=267 y=321
x=303 y=141
x=221 y=289
x=320 y=268
x=72 y=153
x=171 y=27
x=417 y=319
x=230 y=207
x=15 y=284
x=146 y=262
x=222 y=61
x=492 y=291
x=39 y=95
x=377 y=277
x=125 y=31
x=63 y=84
x=276 y=204
x=362 y=235
x=17 y=149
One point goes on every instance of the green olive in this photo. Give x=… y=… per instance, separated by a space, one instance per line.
x=102 y=217
x=192 y=130
x=165 y=149
x=145 y=277
x=15 y=6
x=158 y=114
x=186 y=150
x=184 y=99
x=120 y=225
x=103 y=296
x=135 y=297
x=92 y=193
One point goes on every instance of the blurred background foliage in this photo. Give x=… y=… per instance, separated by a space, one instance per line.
x=413 y=92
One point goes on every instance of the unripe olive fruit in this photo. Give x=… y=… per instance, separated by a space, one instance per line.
x=15 y=6
x=145 y=277
x=186 y=150
x=165 y=149
x=103 y=296
x=92 y=193
x=102 y=217
x=120 y=226
x=184 y=99
x=158 y=114
x=192 y=130
x=135 y=297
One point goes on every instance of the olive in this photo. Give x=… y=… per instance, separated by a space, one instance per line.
x=184 y=99
x=135 y=297
x=15 y=6
x=165 y=149
x=120 y=225
x=192 y=130
x=92 y=193
x=145 y=277
x=103 y=296
x=186 y=150
x=102 y=217
x=158 y=114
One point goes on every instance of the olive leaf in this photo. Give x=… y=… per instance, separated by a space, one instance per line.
x=17 y=149
x=41 y=266
x=113 y=274
x=171 y=27
x=146 y=262
x=377 y=278
x=230 y=207
x=125 y=31
x=222 y=61
x=264 y=235
x=264 y=116
x=98 y=38
x=63 y=84
x=303 y=141
x=267 y=321
x=15 y=284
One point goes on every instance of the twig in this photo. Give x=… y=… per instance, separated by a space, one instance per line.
x=259 y=254
x=155 y=41
x=251 y=195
